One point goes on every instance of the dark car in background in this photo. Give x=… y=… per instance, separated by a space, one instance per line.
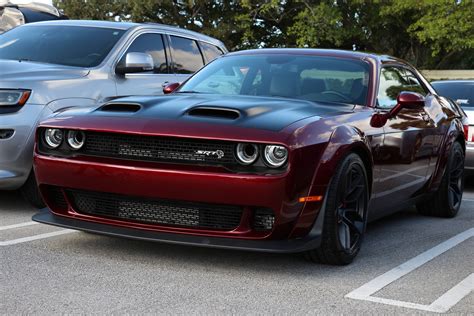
x=13 y=15
x=461 y=91
x=277 y=150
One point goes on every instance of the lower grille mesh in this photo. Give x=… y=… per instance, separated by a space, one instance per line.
x=172 y=213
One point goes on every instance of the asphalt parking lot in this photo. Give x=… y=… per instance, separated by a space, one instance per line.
x=408 y=264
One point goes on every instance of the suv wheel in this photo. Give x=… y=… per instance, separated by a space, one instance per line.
x=30 y=192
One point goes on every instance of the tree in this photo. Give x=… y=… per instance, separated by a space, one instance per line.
x=427 y=33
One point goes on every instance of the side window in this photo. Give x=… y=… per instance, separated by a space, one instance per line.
x=186 y=55
x=413 y=84
x=210 y=51
x=151 y=44
x=392 y=82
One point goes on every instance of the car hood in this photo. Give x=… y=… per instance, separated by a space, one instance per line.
x=12 y=70
x=273 y=114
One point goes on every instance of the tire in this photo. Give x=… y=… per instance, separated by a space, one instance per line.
x=30 y=192
x=447 y=200
x=345 y=216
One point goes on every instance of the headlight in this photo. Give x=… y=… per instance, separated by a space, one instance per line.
x=247 y=153
x=76 y=139
x=53 y=137
x=275 y=156
x=14 y=97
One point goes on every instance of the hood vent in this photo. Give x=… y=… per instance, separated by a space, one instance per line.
x=215 y=112
x=121 y=107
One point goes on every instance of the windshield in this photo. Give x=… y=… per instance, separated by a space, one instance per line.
x=63 y=45
x=312 y=78
x=461 y=92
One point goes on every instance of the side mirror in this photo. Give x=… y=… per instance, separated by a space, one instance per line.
x=407 y=100
x=135 y=63
x=170 y=87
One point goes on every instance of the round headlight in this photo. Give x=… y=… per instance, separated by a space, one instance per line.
x=53 y=137
x=76 y=139
x=275 y=156
x=247 y=153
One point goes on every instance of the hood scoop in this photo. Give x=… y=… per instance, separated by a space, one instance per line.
x=214 y=112
x=121 y=107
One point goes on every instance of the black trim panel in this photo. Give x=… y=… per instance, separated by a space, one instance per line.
x=311 y=241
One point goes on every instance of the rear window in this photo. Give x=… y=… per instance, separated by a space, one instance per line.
x=187 y=57
x=210 y=51
x=461 y=92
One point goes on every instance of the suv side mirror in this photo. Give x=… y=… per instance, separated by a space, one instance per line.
x=134 y=63
x=170 y=87
x=407 y=100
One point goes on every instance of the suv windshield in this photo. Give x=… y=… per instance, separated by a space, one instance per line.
x=63 y=45
x=312 y=78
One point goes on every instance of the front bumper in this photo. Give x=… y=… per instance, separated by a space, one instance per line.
x=16 y=152
x=279 y=193
x=311 y=241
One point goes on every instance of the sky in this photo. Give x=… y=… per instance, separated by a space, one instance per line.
x=28 y=1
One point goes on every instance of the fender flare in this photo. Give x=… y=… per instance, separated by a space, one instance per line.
x=343 y=140
x=454 y=133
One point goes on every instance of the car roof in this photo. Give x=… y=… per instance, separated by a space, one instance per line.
x=321 y=52
x=131 y=25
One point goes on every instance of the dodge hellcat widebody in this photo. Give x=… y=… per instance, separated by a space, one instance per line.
x=277 y=150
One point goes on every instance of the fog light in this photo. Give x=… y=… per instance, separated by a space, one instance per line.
x=263 y=220
x=247 y=153
x=53 y=137
x=76 y=139
x=275 y=156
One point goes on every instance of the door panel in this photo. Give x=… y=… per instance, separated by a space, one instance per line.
x=150 y=82
x=409 y=144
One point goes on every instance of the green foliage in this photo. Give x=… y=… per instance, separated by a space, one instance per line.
x=428 y=33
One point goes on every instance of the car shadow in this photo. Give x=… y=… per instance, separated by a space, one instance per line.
x=144 y=252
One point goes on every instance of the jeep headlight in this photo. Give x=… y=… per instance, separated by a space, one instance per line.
x=14 y=97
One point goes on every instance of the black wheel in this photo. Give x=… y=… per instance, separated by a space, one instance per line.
x=30 y=192
x=345 y=215
x=447 y=200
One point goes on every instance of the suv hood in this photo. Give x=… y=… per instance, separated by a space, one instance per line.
x=12 y=70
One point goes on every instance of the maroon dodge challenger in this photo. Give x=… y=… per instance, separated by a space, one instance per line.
x=277 y=150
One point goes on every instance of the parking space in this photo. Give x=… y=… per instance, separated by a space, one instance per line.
x=409 y=263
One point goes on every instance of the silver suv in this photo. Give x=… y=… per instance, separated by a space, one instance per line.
x=49 y=66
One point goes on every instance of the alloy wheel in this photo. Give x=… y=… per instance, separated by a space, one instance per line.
x=456 y=178
x=351 y=211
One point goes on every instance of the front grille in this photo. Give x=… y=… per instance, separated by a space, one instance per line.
x=162 y=212
x=159 y=149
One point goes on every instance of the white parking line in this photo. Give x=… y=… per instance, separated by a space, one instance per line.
x=36 y=237
x=469 y=200
x=18 y=225
x=442 y=304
